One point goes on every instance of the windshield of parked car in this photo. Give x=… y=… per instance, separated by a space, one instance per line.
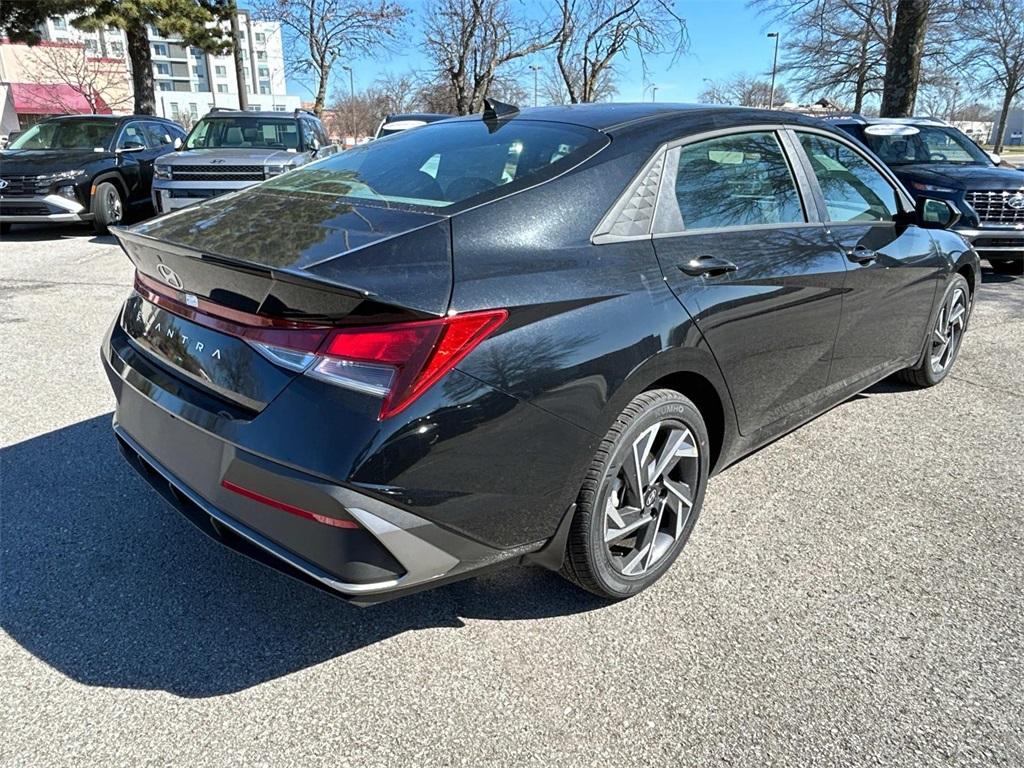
x=67 y=134
x=243 y=132
x=930 y=144
x=445 y=163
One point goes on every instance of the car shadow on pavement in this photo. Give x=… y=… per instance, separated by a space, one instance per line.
x=36 y=233
x=105 y=583
x=989 y=275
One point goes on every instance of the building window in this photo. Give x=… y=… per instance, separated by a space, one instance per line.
x=264 y=89
x=163 y=85
x=254 y=107
x=222 y=88
x=116 y=49
x=113 y=31
x=91 y=45
x=261 y=55
x=280 y=108
x=193 y=109
x=59 y=22
x=220 y=71
x=174 y=110
x=159 y=49
x=264 y=71
x=162 y=68
x=260 y=37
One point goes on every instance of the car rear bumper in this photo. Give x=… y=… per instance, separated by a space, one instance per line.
x=995 y=243
x=41 y=208
x=354 y=545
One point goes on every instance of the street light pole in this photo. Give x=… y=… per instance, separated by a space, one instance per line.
x=654 y=92
x=351 y=103
x=535 y=69
x=775 y=67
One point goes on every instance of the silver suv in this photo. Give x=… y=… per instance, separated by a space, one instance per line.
x=230 y=149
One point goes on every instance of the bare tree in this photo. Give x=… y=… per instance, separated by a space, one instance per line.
x=903 y=59
x=595 y=33
x=469 y=41
x=742 y=90
x=397 y=91
x=995 y=50
x=322 y=31
x=554 y=89
x=101 y=82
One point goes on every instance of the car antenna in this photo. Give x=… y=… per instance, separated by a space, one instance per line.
x=498 y=110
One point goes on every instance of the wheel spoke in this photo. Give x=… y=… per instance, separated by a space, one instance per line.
x=654 y=537
x=635 y=564
x=626 y=528
x=957 y=314
x=678 y=445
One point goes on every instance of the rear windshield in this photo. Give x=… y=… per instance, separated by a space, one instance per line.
x=244 y=133
x=443 y=164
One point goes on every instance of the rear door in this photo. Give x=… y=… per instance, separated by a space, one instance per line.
x=744 y=252
x=137 y=166
x=894 y=267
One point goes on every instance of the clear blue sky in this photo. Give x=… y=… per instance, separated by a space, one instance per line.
x=725 y=38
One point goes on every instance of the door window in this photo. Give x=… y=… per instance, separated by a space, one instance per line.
x=132 y=134
x=156 y=135
x=853 y=189
x=740 y=180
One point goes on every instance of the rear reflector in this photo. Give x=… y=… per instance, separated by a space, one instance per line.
x=285 y=507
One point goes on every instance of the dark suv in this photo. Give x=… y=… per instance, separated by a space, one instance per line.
x=82 y=168
x=936 y=160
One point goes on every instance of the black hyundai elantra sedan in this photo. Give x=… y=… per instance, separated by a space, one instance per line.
x=519 y=337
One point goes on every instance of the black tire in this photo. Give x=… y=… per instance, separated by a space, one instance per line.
x=588 y=560
x=5 y=227
x=925 y=374
x=1007 y=266
x=107 y=207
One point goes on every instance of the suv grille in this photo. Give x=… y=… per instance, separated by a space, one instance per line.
x=217 y=172
x=26 y=186
x=994 y=207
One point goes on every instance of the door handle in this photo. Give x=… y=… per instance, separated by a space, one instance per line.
x=861 y=255
x=707 y=265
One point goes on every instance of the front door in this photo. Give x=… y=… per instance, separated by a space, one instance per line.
x=894 y=267
x=768 y=302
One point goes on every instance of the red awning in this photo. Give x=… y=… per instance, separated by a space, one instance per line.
x=53 y=99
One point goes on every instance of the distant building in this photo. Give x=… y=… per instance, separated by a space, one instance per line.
x=1014 y=135
x=187 y=82
x=979 y=130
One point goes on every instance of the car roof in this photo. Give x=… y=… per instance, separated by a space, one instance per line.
x=289 y=115
x=110 y=118
x=611 y=118
x=861 y=120
x=427 y=117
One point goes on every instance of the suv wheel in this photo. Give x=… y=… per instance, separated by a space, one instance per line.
x=1007 y=266
x=107 y=207
x=641 y=496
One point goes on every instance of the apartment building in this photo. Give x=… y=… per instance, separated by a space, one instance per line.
x=187 y=81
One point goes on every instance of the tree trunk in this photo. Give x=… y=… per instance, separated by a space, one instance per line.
x=903 y=59
x=142 y=68
x=236 y=53
x=1001 y=127
x=321 y=91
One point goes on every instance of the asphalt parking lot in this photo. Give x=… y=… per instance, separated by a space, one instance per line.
x=852 y=594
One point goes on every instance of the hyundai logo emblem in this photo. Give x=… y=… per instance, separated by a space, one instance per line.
x=3 y=184
x=1016 y=202
x=170 y=276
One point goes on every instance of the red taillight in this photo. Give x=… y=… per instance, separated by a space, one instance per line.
x=396 y=362
x=401 y=361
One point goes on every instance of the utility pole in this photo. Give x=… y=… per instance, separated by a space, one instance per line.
x=236 y=55
x=535 y=69
x=654 y=92
x=351 y=103
x=775 y=68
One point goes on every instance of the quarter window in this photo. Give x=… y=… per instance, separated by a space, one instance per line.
x=740 y=180
x=853 y=189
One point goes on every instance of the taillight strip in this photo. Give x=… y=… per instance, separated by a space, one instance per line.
x=286 y=507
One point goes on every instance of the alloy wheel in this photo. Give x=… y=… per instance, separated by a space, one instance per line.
x=650 y=498
x=949 y=330
x=113 y=206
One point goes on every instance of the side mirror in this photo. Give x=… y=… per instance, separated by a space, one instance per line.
x=132 y=146
x=933 y=213
x=178 y=143
x=995 y=158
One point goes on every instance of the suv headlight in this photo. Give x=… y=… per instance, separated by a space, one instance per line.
x=933 y=188
x=162 y=171
x=275 y=169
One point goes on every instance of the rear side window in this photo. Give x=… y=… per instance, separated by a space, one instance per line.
x=853 y=189
x=736 y=181
x=440 y=165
